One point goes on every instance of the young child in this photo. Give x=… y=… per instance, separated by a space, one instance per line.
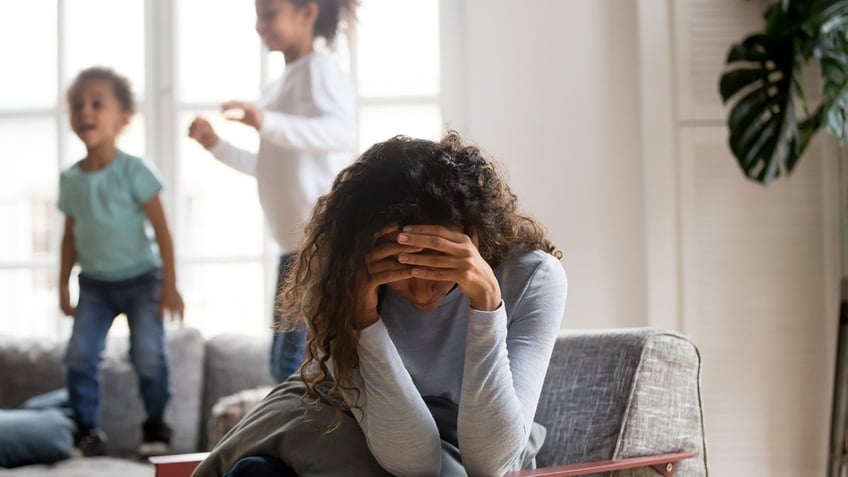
x=432 y=307
x=307 y=129
x=110 y=199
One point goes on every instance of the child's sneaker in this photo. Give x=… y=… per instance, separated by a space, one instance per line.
x=156 y=438
x=89 y=442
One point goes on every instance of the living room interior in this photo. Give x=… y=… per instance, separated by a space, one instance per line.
x=606 y=115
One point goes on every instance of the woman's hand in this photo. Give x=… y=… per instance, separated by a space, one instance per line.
x=382 y=267
x=201 y=131
x=250 y=114
x=457 y=260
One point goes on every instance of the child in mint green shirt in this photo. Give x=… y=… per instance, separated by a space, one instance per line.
x=111 y=202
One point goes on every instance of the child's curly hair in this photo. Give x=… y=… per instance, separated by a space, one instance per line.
x=120 y=86
x=396 y=182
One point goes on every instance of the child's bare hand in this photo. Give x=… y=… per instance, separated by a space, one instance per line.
x=201 y=131
x=65 y=302
x=173 y=302
x=243 y=112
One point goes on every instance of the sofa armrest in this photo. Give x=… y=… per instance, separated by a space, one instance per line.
x=177 y=465
x=665 y=464
x=620 y=394
x=182 y=465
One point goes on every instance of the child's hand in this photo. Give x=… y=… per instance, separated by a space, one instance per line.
x=65 y=302
x=250 y=114
x=173 y=302
x=202 y=132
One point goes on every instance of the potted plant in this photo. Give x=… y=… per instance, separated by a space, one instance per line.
x=771 y=123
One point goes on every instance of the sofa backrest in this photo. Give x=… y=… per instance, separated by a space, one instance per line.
x=622 y=393
x=233 y=363
x=29 y=367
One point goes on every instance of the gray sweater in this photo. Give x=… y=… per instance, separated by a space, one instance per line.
x=490 y=364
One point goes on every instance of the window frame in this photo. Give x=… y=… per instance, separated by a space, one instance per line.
x=162 y=109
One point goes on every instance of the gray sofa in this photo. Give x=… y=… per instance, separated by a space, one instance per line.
x=608 y=395
x=202 y=371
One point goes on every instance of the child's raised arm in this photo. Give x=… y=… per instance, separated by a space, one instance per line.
x=170 y=298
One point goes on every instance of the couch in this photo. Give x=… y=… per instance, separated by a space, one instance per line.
x=608 y=395
x=202 y=371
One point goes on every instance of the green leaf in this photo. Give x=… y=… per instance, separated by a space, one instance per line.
x=764 y=133
x=835 y=114
x=748 y=50
x=737 y=80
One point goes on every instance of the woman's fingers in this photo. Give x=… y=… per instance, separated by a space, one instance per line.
x=387 y=250
x=436 y=238
x=430 y=260
x=387 y=275
x=436 y=230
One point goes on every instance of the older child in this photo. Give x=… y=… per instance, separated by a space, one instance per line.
x=432 y=308
x=307 y=133
x=110 y=199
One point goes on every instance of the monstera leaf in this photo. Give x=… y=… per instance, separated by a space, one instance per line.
x=766 y=136
x=770 y=123
x=834 y=68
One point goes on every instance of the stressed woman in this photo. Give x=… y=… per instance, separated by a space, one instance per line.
x=432 y=307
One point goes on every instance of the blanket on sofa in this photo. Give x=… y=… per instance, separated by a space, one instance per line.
x=279 y=427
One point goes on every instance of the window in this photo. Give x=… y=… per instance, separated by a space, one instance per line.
x=226 y=262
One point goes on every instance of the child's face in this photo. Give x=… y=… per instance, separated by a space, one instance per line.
x=96 y=114
x=284 y=27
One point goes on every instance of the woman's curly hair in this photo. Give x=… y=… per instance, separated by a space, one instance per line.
x=397 y=182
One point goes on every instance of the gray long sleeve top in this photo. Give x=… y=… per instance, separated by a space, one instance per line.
x=491 y=364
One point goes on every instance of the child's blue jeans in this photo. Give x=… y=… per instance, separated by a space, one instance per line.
x=99 y=303
x=287 y=347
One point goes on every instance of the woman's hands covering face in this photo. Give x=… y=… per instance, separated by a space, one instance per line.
x=426 y=252
x=457 y=260
x=382 y=267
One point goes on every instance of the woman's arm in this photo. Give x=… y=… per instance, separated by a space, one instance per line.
x=399 y=429
x=505 y=368
x=397 y=424
x=170 y=298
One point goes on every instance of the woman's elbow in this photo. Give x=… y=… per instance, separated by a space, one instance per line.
x=424 y=460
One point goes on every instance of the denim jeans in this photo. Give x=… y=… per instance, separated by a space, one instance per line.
x=99 y=303
x=287 y=347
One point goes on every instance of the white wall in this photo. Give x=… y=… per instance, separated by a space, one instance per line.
x=552 y=93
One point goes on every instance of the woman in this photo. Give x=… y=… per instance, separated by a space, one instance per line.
x=432 y=308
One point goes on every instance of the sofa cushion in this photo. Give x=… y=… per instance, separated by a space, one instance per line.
x=88 y=467
x=28 y=367
x=233 y=363
x=34 y=436
x=122 y=411
x=229 y=410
